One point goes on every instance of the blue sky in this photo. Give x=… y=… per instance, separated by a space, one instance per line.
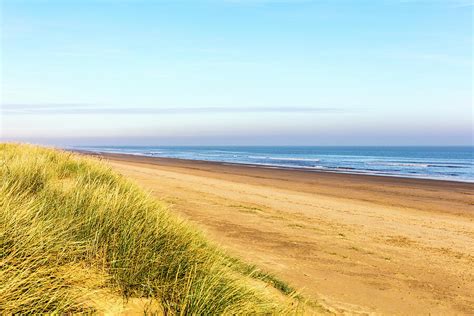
x=256 y=72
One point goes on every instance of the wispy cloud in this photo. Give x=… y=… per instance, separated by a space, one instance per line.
x=84 y=109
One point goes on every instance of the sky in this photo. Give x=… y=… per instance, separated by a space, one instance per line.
x=237 y=72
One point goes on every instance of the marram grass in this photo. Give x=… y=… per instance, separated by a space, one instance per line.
x=77 y=237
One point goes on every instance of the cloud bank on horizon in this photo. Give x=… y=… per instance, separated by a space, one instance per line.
x=392 y=72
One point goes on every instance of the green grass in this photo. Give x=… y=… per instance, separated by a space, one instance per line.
x=77 y=237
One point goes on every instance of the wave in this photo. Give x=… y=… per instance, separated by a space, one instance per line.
x=280 y=165
x=401 y=164
x=154 y=153
x=206 y=155
x=285 y=158
x=459 y=166
x=422 y=165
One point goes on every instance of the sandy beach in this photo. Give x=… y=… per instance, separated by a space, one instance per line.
x=353 y=243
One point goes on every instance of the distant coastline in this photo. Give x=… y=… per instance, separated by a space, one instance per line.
x=442 y=168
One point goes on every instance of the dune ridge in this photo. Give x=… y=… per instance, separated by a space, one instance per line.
x=76 y=236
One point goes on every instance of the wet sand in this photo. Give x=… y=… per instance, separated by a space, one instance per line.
x=353 y=243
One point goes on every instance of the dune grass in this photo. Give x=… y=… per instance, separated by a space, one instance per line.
x=77 y=237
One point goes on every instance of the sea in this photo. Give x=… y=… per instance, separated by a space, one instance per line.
x=442 y=163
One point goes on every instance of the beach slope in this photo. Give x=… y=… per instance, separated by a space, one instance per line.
x=356 y=243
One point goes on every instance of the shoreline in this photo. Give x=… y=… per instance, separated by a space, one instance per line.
x=353 y=243
x=274 y=167
x=436 y=195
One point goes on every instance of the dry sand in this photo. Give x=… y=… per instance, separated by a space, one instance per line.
x=352 y=243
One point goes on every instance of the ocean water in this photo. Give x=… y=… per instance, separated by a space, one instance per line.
x=444 y=163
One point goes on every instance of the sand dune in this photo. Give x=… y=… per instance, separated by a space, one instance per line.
x=352 y=243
